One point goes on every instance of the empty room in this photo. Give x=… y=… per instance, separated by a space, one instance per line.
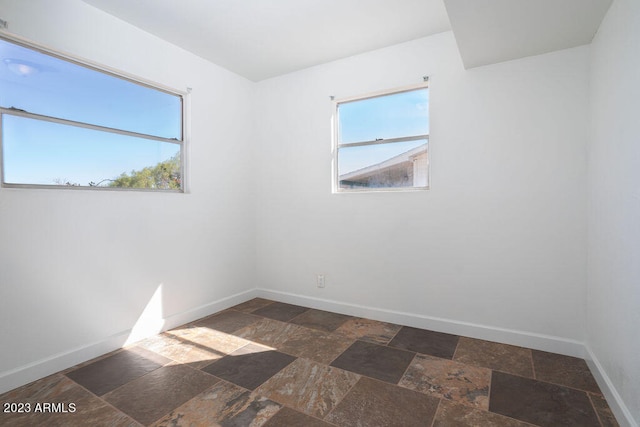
x=320 y=213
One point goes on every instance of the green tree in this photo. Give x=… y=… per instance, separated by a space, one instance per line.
x=166 y=175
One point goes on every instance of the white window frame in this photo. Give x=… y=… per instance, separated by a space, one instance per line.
x=337 y=144
x=182 y=141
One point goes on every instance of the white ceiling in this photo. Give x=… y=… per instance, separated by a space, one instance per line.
x=260 y=39
x=490 y=31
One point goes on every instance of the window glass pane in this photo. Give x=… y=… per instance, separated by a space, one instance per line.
x=389 y=116
x=45 y=153
x=43 y=84
x=399 y=164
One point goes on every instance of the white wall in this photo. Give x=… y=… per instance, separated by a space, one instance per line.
x=499 y=242
x=614 y=202
x=78 y=267
x=500 y=238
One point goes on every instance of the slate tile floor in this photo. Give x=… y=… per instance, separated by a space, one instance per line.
x=267 y=363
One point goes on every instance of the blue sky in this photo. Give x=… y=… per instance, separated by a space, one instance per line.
x=38 y=152
x=392 y=116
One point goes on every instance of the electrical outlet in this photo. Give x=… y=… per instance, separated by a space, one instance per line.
x=320 y=280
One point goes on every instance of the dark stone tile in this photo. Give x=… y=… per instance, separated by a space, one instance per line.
x=540 y=403
x=250 y=366
x=224 y=405
x=373 y=403
x=309 y=387
x=493 y=355
x=373 y=360
x=110 y=373
x=154 y=395
x=452 y=414
x=90 y=411
x=564 y=370
x=281 y=311
x=66 y=396
x=607 y=419
x=228 y=321
x=251 y=305
x=427 y=342
x=321 y=320
x=89 y=362
x=287 y=417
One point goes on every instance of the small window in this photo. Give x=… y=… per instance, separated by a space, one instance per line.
x=68 y=124
x=382 y=141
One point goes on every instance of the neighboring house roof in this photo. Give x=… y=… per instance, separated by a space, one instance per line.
x=395 y=164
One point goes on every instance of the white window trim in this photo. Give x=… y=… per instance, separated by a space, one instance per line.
x=185 y=97
x=336 y=145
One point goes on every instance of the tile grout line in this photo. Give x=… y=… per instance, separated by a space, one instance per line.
x=379 y=380
x=415 y=353
x=189 y=400
x=303 y=412
x=88 y=362
x=453 y=357
x=545 y=381
x=427 y=393
x=344 y=396
x=405 y=373
x=524 y=376
x=489 y=392
x=228 y=383
x=435 y=414
x=594 y=409
x=148 y=373
x=255 y=309
x=533 y=365
x=298 y=315
x=394 y=335
x=474 y=408
x=517 y=420
x=279 y=349
x=341 y=353
x=312 y=416
x=107 y=403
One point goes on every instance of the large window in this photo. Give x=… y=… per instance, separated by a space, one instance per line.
x=67 y=124
x=382 y=141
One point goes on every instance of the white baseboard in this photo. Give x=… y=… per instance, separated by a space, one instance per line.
x=208 y=309
x=58 y=362
x=617 y=405
x=506 y=336
x=41 y=368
